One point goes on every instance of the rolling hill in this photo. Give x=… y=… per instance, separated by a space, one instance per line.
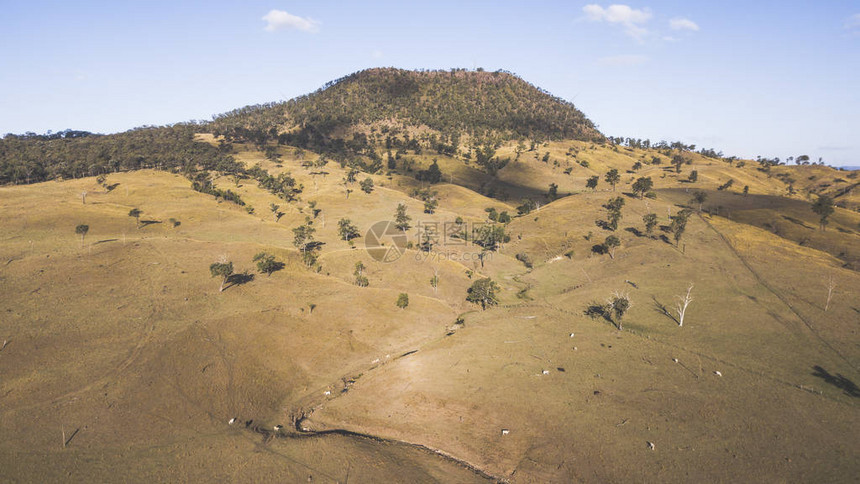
x=120 y=355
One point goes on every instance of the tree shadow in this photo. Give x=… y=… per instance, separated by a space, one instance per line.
x=665 y=239
x=662 y=309
x=104 y=241
x=599 y=249
x=596 y=310
x=144 y=223
x=111 y=187
x=797 y=222
x=837 y=380
x=239 y=279
x=315 y=245
x=276 y=266
x=634 y=231
x=603 y=224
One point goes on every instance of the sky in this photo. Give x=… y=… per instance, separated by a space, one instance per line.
x=749 y=78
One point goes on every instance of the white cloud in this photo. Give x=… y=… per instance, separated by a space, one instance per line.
x=683 y=24
x=623 y=60
x=279 y=19
x=631 y=19
x=669 y=38
x=376 y=54
x=853 y=22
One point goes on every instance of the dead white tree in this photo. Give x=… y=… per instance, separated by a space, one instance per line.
x=831 y=285
x=84 y=197
x=682 y=303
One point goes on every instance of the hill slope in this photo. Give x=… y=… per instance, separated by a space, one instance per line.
x=450 y=103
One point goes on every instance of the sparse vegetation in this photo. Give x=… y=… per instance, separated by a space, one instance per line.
x=82 y=230
x=346 y=230
x=266 y=263
x=650 y=221
x=401 y=219
x=402 y=300
x=612 y=177
x=360 y=279
x=642 y=185
x=483 y=292
x=223 y=269
x=824 y=208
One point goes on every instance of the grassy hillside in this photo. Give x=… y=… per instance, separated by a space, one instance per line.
x=122 y=348
x=119 y=353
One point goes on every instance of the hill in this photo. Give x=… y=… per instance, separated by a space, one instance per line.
x=449 y=105
x=119 y=353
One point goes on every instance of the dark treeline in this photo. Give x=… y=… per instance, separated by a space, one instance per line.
x=31 y=158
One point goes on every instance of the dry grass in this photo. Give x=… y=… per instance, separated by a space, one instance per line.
x=128 y=341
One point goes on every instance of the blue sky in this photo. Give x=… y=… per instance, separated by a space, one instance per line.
x=749 y=78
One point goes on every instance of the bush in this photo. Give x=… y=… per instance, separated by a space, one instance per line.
x=525 y=259
x=402 y=300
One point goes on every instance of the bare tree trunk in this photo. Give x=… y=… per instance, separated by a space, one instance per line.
x=831 y=285
x=683 y=302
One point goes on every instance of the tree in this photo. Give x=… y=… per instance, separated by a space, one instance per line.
x=274 y=208
x=136 y=214
x=831 y=285
x=552 y=194
x=360 y=279
x=430 y=205
x=490 y=236
x=614 y=207
x=266 y=263
x=434 y=281
x=611 y=243
x=432 y=174
x=402 y=300
x=592 y=182
x=699 y=197
x=527 y=206
x=824 y=208
x=678 y=160
x=82 y=230
x=694 y=176
x=612 y=177
x=483 y=292
x=347 y=230
x=223 y=269
x=650 y=220
x=619 y=304
x=679 y=225
x=401 y=220
x=643 y=185
x=314 y=210
x=302 y=235
x=366 y=185
x=682 y=303
x=504 y=217
x=303 y=239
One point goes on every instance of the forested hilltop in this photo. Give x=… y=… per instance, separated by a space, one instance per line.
x=449 y=104
x=359 y=115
